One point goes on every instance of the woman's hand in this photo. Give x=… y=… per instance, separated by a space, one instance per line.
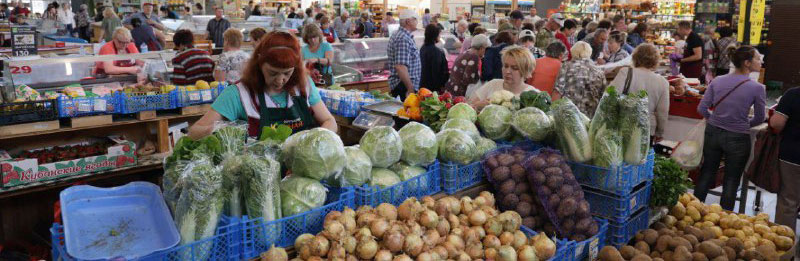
x=205 y=125
x=324 y=117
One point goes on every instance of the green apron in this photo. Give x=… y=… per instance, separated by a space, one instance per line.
x=298 y=117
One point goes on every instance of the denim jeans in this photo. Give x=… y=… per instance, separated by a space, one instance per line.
x=735 y=148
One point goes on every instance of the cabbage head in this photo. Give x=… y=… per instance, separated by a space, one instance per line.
x=287 y=148
x=635 y=127
x=383 y=146
x=462 y=111
x=318 y=154
x=484 y=146
x=532 y=123
x=356 y=172
x=607 y=148
x=383 y=178
x=464 y=125
x=456 y=146
x=419 y=144
x=495 y=121
x=300 y=194
x=405 y=171
x=569 y=125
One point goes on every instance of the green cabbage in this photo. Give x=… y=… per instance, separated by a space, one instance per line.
x=384 y=178
x=532 y=123
x=318 y=154
x=300 y=194
x=462 y=111
x=419 y=144
x=405 y=171
x=356 y=172
x=494 y=121
x=456 y=146
x=635 y=127
x=607 y=148
x=484 y=146
x=383 y=146
x=261 y=189
x=287 y=148
x=464 y=125
x=571 y=130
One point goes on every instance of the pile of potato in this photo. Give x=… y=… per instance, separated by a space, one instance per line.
x=695 y=231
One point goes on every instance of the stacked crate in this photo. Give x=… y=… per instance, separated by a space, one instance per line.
x=619 y=194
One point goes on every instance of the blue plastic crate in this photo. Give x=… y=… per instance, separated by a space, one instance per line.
x=224 y=245
x=561 y=246
x=86 y=106
x=257 y=236
x=615 y=208
x=135 y=102
x=589 y=248
x=620 y=233
x=423 y=185
x=346 y=106
x=619 y=180
x=456 y=177
x=188 y=98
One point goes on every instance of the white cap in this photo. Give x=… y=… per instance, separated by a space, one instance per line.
x=558 y=18
x=524 y=33
x=480 y=41
x=407 y=14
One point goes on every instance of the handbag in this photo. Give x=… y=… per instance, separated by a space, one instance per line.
x=764 y=170
x=327 y=78
x=628 y=80
x=726 y=95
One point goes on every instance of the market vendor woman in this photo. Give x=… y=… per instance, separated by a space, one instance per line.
x=275 y=89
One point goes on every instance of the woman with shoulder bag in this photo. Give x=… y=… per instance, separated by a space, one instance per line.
x=725 y=107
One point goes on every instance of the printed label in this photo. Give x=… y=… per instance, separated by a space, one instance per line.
x=206 y=95
x=194 y=96
x=100 y=105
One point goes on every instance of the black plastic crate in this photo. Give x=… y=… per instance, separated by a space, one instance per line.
x=28 y=111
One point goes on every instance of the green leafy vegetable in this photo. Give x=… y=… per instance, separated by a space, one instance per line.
x=495 y=122
x=261 y=189
x=383 y=145
x=419 y=144
x=317 y=154
x=434 y=112
x=532 y=123
x=571 y=130
x=462 y=111
x=536 y=99
x=456 y=146
x=607 y=115
x=483 y=146
x=464 y=125
x=300 y=194
x=607 y=148
x=232 y=136
x=669 y=183
x=356 y=172
x=201 y=200
x=279 y=132
x=635 y=127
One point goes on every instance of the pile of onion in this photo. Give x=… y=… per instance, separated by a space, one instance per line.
x=422 y=230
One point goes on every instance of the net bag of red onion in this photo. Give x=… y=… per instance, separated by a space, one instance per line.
x=562 y=197
x=504 y=168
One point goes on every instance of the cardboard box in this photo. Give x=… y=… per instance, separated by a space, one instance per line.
x=17 y=172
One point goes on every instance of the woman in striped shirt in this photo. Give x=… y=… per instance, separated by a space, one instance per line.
x=190 y=64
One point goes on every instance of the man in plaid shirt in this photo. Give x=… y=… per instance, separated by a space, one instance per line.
x=404 y=62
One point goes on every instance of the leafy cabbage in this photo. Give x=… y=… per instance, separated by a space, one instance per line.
x=199 y=205
x=356 y=172
x=571 y=130
x=405 y=171
x=495 y=122
x=287 y=148
x=532 y=123
x=261 y=189
x=383 y=178
x=456 y=146
x=606 y=117
x=483 y=146
x=419 y=144
x=635 y=127
x=300 y=194
x=607 y=148
x=464 y=125
x=536 y=99
x=462 y=111
x=383 y=146
x=318 y=153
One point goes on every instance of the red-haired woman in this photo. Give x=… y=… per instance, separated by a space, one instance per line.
x=274 y=89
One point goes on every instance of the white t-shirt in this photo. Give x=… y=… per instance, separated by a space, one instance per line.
x=492 y=86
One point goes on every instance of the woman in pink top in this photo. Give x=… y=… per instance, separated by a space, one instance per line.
x=547 y=68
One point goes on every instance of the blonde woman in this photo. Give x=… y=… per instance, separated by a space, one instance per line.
x=518 y=64
x=121 y=43
x=229 y=66
x=110 y=22
x=581 y=80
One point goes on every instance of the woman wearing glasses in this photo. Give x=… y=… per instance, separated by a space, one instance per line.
x=121 y=43
x=274 y=89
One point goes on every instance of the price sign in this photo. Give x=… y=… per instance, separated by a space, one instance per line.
x=194 y=96
x=754 y=13
x=84 y=107
x=206 y=95
x=23 y=41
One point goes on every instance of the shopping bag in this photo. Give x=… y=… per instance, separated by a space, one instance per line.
x=764 y=170
x=472 y=88
x=689 y=151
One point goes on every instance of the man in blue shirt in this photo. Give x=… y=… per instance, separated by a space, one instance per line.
x=404 y=61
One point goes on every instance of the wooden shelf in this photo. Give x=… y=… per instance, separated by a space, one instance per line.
x=115 y=123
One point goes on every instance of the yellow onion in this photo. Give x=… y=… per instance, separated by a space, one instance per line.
x=457 y=241
x=490 y=253
x=393 y=241
x=480 y=230
x=387 y=211
x=349 y=212
x=333 y=230
x=442 y=207
x=491 y=241
x=506 y=238
x=455 y=206
x=337 y=251
x=364 y=232
x=519 y=239
x=319 y=246
x=378 y=227
x=475 y=251
x=383 y=255
x=463 y=257
x=506 y=253
x=367 y=248
x=479 y=201
x=489 y=197
x=463 y=220
x=302 y=240
x=349 y=223
x=466 y=204
x=477 y=217
x=471 y=236
x=428 y=202
x=402 y=258
x=349 y=243
x=304 y=252
x=425 y=256
x=443 y=227
x=544 y=246
x=351 y=258
x=413 y=245
x=441 y=251
x=365 y=219
x=493 y=227
x=527 y=253
x=431 y=238
x=452 y=251
x=314 y=258
x=276 y=254
x=429 y=219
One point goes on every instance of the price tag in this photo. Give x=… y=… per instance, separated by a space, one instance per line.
x=193 y=96
x=633 y=202
x=99 y=105
x=84 y=107
x=593 y=249
x=206 y=95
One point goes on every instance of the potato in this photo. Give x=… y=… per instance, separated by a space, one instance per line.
x=729 y=232
x=688 y=220
x=655 y=254
x=715 y=208
x=710 y=249
x=769 y=236
x=628 y=252
x=752 y=254
x=610 y=253
x=761 y=229
x=679 y=241
x=730 y=253
x=697 y=256
x=701 y=208
x=708 y=224
x=685 y=199
x=669 y=220
x=691 y=238
x=643 y=247
x=678 y=211
x=681 y=224
x=736 y=244
x=659 y=225
x=658 y=259
x=662 y=244
x=641 y=257
x=720 y=258
x=639 y=236
x=783 y=243
x=681 y=254
x=723 y=238
x=783 y=231
x=748 y=231
x=750 y=243
x=768 y=252
x=739 y=234
x=692 y=212
x=666 y=255
x=696 y=232
x=710 y=233
x=712 y=217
